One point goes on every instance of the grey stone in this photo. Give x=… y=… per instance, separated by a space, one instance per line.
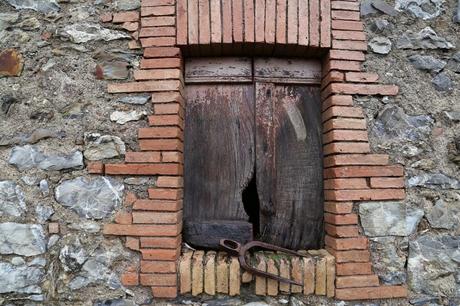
x=294 y=301
x=90 y=197
x=444 y=215
x=99 y=147
x=18 y=261
x=38 y=261
x=366 y=8
x=433 y=181
x=28 y=157
x=127 y=5
x=43 y=213
x=256 y=304
x=7 y=20
x=31 y=138
x=136 y=100
x=389 y=218
x=380 y=25
x=384 y=7
x=124 y=117
x=42 y=6
x=456 y=18
x=425 y=39
x=20 y=279
x=431 y=269
x=427 y=63
x=425 y=9
x=29 y=24
x=224 y=301
x=73 y=256
x=380 y=45
x=393 y=123
x=442 y=82
x=44 y=187
x=29 y=180
x=116 y=302
x=22 y=239
x=53 y=240
x=453 y=116
x=389 y=258
x=84 y=32
x=86 y=226
x=12 y=201
x=454 y=63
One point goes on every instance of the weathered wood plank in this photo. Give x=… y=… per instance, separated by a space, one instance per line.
x=287 y=70
x=212 y=70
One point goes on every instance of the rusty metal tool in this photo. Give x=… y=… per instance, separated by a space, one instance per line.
x=236 y=249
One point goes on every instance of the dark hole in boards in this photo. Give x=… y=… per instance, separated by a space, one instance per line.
x=251 y=203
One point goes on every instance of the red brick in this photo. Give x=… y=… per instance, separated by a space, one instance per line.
x=387 y=182
x=125 y=16
x=169 y=109
x=361 y=77
x=303 y=22
x=332 y=76
x=162 y=52
x=167 y=97
x=325 y=25
x=364 y=89
x=227 y=27
x=158 y=11
x=345 y=15
x=132 y=243
x=355 y=159
x=357 y=281
x=158 y=21
x=346 y=147
x=143 y=169
x=348 y=219
x=259 y=21
x=172 y=157
x=130 y=279
x=347 y=55
x=161 y=144
x=364 y=171
x=96 y=167
x=314 y=23
x=348 y=35
x=53 y=228
x=158 y=205
x=342 y=111
x=237 y=20
x=146 y=86
x=165 y=194
x=123 y=217
x=157 y=217
x=157 y=2
x=365 y=195
x=338 y=207
x=353 y=183
x=164 y=292
x=341 y=244
x=365 y=293
x=162 y=120
x=158 y=279
x=160 y=254
x=130 y=26
x=161 y=242
x=130 y=198
x=155 y=63
x=182 y=22
x=280 y=35
x=347 y=25
x=349 y=45
x=350 y=256
x=105 y=17
x=344 y=135
x=170 y=181
x=160 y=132
x=345 y=124
x=204 y=35
x=141 y=230
x=158 y=42
x=248 y=21
x=337 y=100
x=157 y=32
x=341 y=231
x=342 y=65
x=345 y=5
x=143 y=157
x=156 y=266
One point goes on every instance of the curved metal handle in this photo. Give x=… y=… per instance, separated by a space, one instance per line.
x=231 y=246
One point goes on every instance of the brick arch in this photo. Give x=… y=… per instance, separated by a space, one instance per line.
x=352 y=173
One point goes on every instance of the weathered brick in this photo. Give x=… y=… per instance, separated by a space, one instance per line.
x=345 y=15
x=182 y=22
x=172 y=157
x=162 y=52
x=162 y=120
x=356 y=281
x=338 y=207
x=170 y=181
x=160 y=132
x=345 y=5
x=197 y=272
x=157 y=217
x=53 y=228
x=123 y=217
x=222 y=277
x=143 y=169
x=130 y=26
x=309 y=275
x=344 y=65
x=168 y=109
x=345 y=124
x=158 y=279
x=346 y=55
x=132 y=243
x=353 y=268
x=320 y=276
x=356 y=159
x=129 y=279
x=325 y=24
x=350 y=256
x=381 y=292
x=165 y=193
x=96 y=167
x=332 y=76
x=167 y=97
x=344 y=135
x=161 y=242
x=158 y=11
x=342 y=111
x=361 y=77
x=272 y=285
x=130 y=198
x=347 y=183
x=156 y=74
x=387 y=182
x=160 y=254
x=106 y=17
x=284 y=271
x=346 y=147
x=134 y=45
x=337 y=100
x=185 y=274
x=141 y=230
x=296 y=274
x=125 y=16
x=161 y=144
x=145 y=86
x=160 y=21
x=158 y=42
x=347 y=25
x=364 y=171
x=349 y=35
x=363 y=89
x=164 y=292
x=365 y=195
x=313 y=22
x=156 y=63
x=143 y=157
x=234 y=277
x=343 y=244
x=158 y=205
x=341 y=219
x=261 y=282
x=157 y=2
x=210 y=273
x=342 y=231
x=349 y=45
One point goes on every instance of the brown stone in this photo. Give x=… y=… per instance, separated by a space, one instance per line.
x=197 y=272
x=261 y=282
x=209 y=273
x=222 y=273
x=309 y=275
x=296 y=274
x=185 y=272
x=284 y=266
x=11 y=63
x=320 y=273
x=234 y=279
x=272 y=285
x=246 y=277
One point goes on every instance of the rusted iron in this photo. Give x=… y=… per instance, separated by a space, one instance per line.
x=236 y=249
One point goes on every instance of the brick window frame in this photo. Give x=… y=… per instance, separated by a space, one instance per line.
x=352 y=173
